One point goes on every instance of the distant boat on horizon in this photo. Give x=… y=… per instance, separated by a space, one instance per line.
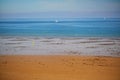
x=56 y=21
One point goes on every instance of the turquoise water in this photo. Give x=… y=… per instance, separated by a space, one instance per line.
x=60 y=27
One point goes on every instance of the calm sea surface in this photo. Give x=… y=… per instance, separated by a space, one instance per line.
x=60 y=27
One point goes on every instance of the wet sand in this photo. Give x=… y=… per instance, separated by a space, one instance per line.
x=59 y=67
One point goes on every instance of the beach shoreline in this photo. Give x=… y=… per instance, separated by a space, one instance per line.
x=84 y=46
x=63 y=58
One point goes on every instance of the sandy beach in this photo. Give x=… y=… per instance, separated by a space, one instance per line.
x=53 y=67
x=36 y=58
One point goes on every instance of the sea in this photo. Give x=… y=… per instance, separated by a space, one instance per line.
x=60 y=27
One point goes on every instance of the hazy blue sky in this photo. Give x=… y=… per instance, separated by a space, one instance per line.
x=59 y=8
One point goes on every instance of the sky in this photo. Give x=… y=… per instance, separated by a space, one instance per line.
x=60 y=8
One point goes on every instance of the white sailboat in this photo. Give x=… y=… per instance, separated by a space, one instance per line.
x=56 y=21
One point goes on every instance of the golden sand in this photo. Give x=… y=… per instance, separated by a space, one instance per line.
x=59 y=68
